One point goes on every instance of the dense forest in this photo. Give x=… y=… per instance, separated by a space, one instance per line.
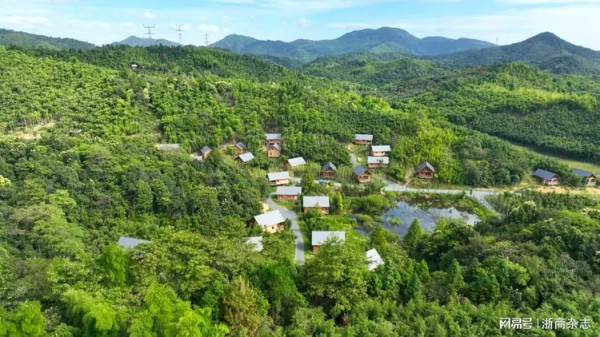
x=79 y=169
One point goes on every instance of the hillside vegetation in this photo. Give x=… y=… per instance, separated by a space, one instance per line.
x=66 y=198
x=27 y=40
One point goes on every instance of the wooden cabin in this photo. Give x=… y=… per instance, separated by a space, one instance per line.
x=245 y=157
x=328 y=171
x=271 y=222
x=363 y=139
x=273 y=138
x=426 y=170
x=273 y=150
x=318 y=202
x=589 y=178
x=378 y=162
x=362 y=175
x=205 y=151
x=320 y=237
x=288 y=193
x=239 y=148
x=546 y=177
x=279 y=178
x=293 y=163
x=380 y=150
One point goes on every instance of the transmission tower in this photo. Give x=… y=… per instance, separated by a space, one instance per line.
x=179 y=30
x=149 y=31
x=206 y=40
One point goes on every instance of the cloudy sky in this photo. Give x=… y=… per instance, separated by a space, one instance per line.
x=105 y=21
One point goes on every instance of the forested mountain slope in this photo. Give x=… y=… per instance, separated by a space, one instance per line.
x=545 y=50
x=559 y=114
x=134 y=41
x=27 y=40
x=65 y=198
x=376 y=41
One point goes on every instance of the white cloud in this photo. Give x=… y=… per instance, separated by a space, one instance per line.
x=352 y=25
x=24 y=20
x=303 y=23
x=149 y=15
x=209 y=28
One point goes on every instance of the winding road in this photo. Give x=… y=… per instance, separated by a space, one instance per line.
x=291 y=215
x=392 y=186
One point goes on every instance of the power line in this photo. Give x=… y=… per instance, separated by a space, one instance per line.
x=149 y=32
x=179 y=30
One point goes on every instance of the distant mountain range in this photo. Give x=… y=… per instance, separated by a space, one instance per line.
x=545 y=50
x=378 y=41
x=134 y=41
x=27 y=40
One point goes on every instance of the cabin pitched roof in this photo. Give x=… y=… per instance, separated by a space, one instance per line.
x=269 y=219
x=273 y=136
x=167 y=147
x=276 y=147
x=240 y=145
x=381 y=148
x=378 y=160
x=543 y=174
x=298 y=161
x=425 y=165
x=320 y=237
x=329 y=165
x=363 y=137
x=288 y=190
x=127 y=242
x=359 y=170
x=257 y=241
x=273 y=176
x=374 y=260
x=315 y=201
x=583 y=173
x=246 y=157
x=196 y=157
x=206 y=149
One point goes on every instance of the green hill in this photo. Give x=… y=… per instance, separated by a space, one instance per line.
x=382 y=40
x=134 y=41
x=546 y=50
x=27 y=40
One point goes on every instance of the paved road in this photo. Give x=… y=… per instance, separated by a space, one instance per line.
x=478 y=195
x=291 y=215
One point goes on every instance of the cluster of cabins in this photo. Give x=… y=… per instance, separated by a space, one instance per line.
x=552 y=179
x=378 y=157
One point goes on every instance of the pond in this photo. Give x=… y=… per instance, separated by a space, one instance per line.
x=399 y=218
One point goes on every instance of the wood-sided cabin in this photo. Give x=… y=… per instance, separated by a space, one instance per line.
x=239 y=148
x=363 y=139
x=362 y=175
x=546 y=177
x=378 y=162
x=380 y=150
x=273 y=150
x=318 y=238
x=320 y=203
x=273 y=138
x=279 y=178
x=205 y=151
x=426 y=171
x=294 y=163
x=329 y=170
x=271 y=222
x=589 y=178
x=288 y=193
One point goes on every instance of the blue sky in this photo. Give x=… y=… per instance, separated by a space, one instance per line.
x=505 y=21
